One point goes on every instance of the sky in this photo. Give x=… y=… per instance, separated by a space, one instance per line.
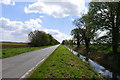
x=54 y=17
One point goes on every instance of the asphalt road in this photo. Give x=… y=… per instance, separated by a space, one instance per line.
x=21 y=65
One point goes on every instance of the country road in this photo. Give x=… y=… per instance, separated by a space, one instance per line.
x=20 y=65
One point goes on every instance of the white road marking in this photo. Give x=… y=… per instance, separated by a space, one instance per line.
x=26 y=74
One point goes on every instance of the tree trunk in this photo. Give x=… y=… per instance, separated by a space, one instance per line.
x=115 y=36
x=87 y=43
x=78 y=43
x=115 y=32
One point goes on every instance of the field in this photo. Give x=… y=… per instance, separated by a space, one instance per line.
x=21 y=48
x=102 y=55
x=12 y=45
x=63 y=64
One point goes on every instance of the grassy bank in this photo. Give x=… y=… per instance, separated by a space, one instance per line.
x=63 y=64
x=102 y=55
x=9 y=52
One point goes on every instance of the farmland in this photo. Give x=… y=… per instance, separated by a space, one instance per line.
x=10 y=49
x=4 y=45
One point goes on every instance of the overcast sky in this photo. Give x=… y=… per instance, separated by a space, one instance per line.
x=19 y=18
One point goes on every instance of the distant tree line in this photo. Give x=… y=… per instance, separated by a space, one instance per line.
x=102 y=16
x=68 y=42
x=40 y=38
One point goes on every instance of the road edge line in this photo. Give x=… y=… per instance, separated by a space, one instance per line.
x=32 y=69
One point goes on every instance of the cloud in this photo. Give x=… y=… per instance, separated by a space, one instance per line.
x=33 y=23
x=57 y=34
x=7 y=2
x=18 y=25
x=18 y=31
x=58 y=9
x=41 y=16
x=102 y=33
x=72 y=19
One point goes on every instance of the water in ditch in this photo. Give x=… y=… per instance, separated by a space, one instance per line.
x=97 y=67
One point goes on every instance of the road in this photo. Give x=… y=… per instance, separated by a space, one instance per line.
x=21 y=65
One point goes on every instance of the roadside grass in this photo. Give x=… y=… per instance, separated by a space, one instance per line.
x=9 y=52
x=63 y=64
x=102 y=55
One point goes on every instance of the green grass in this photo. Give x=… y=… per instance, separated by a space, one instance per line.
x=63 y=64
x=9 y=52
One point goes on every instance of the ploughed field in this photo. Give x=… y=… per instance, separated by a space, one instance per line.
x=5 y=45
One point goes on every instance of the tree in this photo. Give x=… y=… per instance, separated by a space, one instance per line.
x=55 y=41
x=67 y=42
x=40 y=38
x=85 y=30
x=76 y=35
x=63 y=42
x=51 y=40
x=71 y=42
x=105 y=39
x=106 y=16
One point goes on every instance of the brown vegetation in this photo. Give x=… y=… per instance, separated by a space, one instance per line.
x=13 y=45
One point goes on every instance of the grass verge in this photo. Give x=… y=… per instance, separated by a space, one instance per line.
x=63 y=64
x=9 y=52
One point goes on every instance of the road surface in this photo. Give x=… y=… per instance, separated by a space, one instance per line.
x=19 y=66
